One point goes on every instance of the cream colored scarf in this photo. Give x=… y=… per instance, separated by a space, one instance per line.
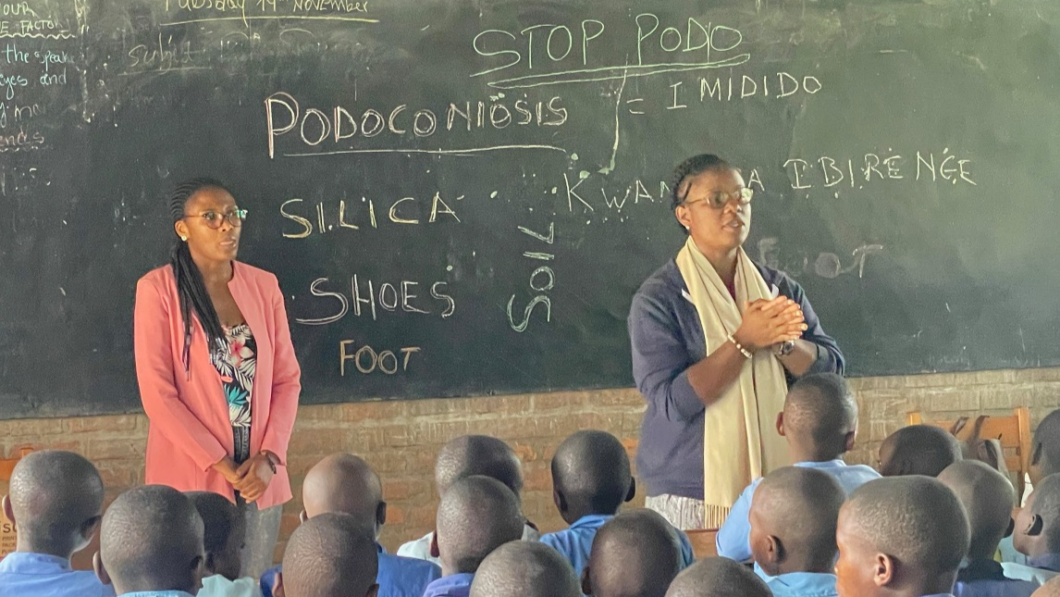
x=740 y=440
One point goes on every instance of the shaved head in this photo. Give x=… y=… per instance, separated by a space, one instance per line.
x=344 y=483
x=478 y=455
x=224 y=532
x=915 y=521
x=330 y=555
x=1047 y=506
x=1049 y=589
x=718 y=577
x=988 y=499
x=477 y=515
x=591 y=474
x=918 y=450
x=636 y=554
x=793 y=518
x=152 y=540
x=56 y=499
x=1045 y=449
x=820 y=414
x=525 y=569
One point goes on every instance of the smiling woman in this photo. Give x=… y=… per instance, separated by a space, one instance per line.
x=217 y=372
x=716 y=339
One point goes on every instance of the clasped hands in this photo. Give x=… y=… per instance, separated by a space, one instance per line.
x=768 y=322
x=251 y=478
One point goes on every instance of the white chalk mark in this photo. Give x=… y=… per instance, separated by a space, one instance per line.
x=611 y=73
x=38 y=35
x=468 y=151
x=614 y=149
x=1023 y=342
x=272 y=18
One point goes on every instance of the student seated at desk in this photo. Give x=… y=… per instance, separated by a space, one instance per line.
x=56 y=500
x=820 y=424
x=718 y=577
x=900 y=537
x=591 y=479
x=525 y=569
x=793 y=525
x=988 y=499
x=918 y=450
x=636 y=554
x=151 y=544
x=1037 y=534
x=346 y=484
x=464 y=457
x=477 y=515
x=331 y=555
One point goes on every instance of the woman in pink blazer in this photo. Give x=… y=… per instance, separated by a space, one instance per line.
x=217 y=372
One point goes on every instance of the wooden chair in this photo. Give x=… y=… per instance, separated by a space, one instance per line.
x=1013 y=432
x=704 y=542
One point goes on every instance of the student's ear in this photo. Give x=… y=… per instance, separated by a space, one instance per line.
x=8 y=510
x=587 y=583
x=302 y=516
x=198 y=570
x=772 y=552
x=1011 y=528
x=1034 y=529
x=210 y=564
x=780 y=423
x=434 y=545
x=632 y=493
x=559 y=499
x=101 y=572
x=380 y=514
x=372 y=591
x=850 y=439
x=89 y=528
x=883 y=570
x=277 y=586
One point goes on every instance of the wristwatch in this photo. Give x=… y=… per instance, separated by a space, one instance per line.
x=784 y=349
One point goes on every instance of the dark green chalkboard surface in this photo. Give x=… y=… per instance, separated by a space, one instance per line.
x=460 y=197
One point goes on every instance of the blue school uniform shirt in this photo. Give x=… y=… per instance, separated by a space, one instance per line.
x=457 y=585
x=576 y=542
x=986 y=578
x=800 y=584
x=397 y=576
x=40 y=575
x=158 y=594
x=733 y=539
x=1040 y=569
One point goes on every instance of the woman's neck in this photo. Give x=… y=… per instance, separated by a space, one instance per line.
x=723 y=260
x=213 y=272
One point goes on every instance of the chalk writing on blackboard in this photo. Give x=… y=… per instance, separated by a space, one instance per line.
x=405 y=296
x=658 y=50
x=542 y=280
x=334 y=128
x=368 y=361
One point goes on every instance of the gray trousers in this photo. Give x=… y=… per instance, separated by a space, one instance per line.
x=263 y=526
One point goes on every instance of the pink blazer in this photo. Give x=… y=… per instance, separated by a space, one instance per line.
x=190 y=429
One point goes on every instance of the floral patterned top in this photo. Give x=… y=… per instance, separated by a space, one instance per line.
x=236 y=363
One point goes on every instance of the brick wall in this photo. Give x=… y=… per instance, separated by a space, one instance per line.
x=400 y=439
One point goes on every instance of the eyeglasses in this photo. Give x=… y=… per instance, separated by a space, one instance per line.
x=214 y=219
x=720 y=199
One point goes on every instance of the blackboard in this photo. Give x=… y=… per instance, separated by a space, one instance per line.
x=460 y=197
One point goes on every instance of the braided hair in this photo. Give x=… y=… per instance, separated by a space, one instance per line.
x=191 y=288
x=686 y=170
